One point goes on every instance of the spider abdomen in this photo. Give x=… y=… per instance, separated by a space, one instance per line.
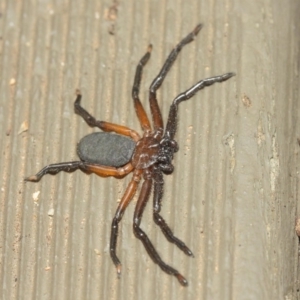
x=107 y=149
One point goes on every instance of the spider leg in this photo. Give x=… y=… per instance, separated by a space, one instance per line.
x=172 y=119
x=155 y=85
x=129 y=193
x=141 y=235
x=105 y=126
x=103 y=171
x=140 y=111
x=158 y=219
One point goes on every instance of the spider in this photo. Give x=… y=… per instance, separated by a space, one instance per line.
x=149 y=157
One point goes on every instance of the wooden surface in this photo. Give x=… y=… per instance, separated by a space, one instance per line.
x=234 y=194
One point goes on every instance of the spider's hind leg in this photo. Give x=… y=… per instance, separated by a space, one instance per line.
x=140 y=111
x=105 y=126
x=53 y=169
x=127 y=197
x=88 y=168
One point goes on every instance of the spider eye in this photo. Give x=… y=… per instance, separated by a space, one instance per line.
x=170 y=144
x=163 y=159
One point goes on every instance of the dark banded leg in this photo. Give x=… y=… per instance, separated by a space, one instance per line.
x=140 y=111
x=158 y=219
x=141 y=235
x=155 y=85
x=128 y=195
x=105 y=126
x=172 y=119
x=72 y=166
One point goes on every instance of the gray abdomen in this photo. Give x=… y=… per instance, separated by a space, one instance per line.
x=106 y=149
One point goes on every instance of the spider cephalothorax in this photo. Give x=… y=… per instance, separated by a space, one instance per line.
x=148 y=157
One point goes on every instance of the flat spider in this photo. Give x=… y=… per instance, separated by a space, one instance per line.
x=148 y=157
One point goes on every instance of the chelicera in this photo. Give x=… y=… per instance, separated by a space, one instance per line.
x=120 y=150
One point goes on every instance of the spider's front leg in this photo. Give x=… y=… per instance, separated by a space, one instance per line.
x=141 y=235
x=172 y=119
x=158 y=219
x=158 y=80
